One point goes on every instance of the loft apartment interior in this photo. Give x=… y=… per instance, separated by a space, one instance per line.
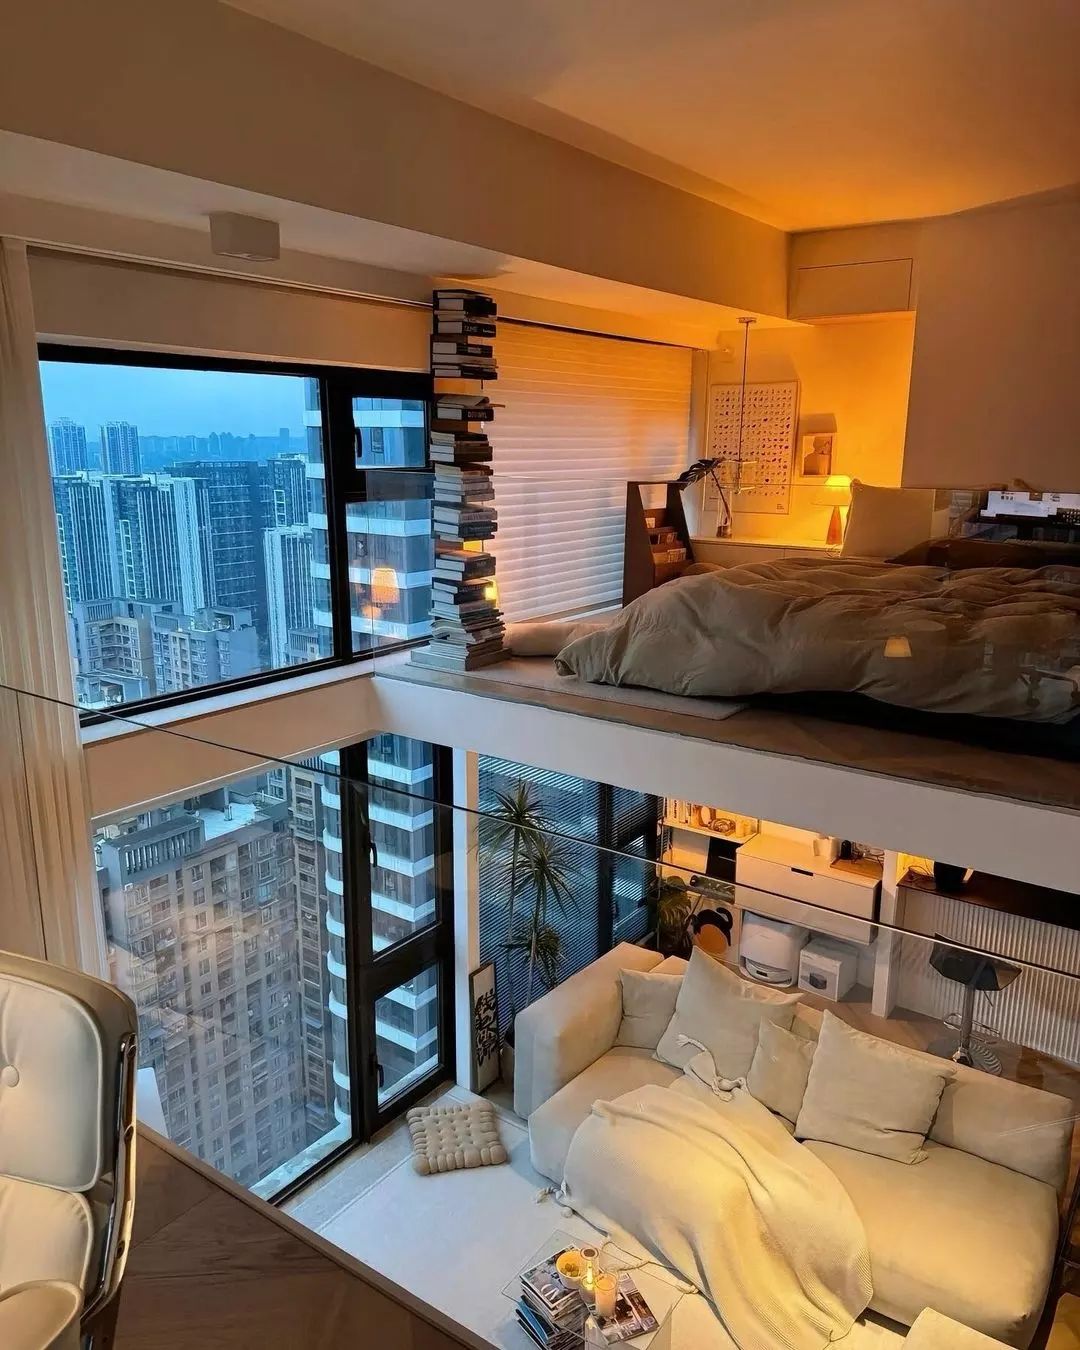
x=540 y=675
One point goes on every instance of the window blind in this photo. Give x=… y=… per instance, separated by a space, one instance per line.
x=581 y=416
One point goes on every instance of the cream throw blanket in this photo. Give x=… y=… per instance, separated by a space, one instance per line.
x=718 y=1190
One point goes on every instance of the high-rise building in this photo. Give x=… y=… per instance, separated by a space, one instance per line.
x=204 y=647
x=201 y=906
x=157 y=540
x=232 y=503
x=120 y=448
x=67 y=447
x=85 y=522
x=290 y=595
x=286 y=492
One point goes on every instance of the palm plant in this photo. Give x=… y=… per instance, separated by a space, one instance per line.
x=517 y=833
x=706 y=468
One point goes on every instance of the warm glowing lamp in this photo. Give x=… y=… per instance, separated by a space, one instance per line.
x=836 y=493
x=384 y=587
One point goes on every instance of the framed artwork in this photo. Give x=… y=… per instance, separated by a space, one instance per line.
x=817 y=454
x=485 y=1027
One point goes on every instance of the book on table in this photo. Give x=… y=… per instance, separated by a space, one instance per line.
x=451 y=323
x=461 y=300
x=462 y=347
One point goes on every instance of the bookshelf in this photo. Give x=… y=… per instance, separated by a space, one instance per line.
x=657 y=541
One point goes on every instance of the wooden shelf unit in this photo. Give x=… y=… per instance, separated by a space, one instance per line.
x=641 y=570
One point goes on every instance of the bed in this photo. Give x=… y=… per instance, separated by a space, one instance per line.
x=978 y=643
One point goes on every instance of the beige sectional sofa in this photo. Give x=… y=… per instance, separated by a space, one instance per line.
x=970 y=1232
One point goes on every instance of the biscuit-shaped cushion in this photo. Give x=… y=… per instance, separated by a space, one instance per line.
x=445 y=1138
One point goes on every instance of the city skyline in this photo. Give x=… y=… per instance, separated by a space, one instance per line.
x=238 y=402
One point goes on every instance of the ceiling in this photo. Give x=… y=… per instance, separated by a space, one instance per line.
x=804 y=113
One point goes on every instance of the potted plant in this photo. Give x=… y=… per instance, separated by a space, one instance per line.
x=679 y=923
x=538 y=865
x=706 y=468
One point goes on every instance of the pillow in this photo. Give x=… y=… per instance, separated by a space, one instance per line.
x=550 y=637
x=779 y=1070
x=885 y=521
x=870 y=1095
x=648 y=1005
x=723 y=1012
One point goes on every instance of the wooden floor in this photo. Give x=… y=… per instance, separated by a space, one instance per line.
x=213 y=1268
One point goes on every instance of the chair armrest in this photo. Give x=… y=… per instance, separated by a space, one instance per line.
x=561 y=1034
x=42 y=1315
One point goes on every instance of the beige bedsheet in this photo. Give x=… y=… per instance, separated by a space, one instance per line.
x=996 y=642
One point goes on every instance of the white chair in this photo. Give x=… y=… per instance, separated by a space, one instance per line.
x=67 y=1151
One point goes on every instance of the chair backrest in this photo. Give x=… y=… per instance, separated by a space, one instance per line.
x=61 y=1034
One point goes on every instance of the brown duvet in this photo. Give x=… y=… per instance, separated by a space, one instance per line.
x=996 y=642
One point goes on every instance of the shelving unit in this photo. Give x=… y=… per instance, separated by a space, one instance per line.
x=650 y=533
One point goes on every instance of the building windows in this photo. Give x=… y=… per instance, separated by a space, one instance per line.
x=219 y=521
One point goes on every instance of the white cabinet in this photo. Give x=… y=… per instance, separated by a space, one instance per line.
x=787 y=867
x=734 y=552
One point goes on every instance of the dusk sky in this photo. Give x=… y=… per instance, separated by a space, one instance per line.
x=172 y=402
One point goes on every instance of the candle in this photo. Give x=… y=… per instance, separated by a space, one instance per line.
x=591 y=1257
x=607 y=1287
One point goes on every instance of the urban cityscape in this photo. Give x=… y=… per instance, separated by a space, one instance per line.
x=190 y=559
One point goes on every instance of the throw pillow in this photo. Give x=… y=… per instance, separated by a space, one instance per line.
x=870 y=1095
x=885 y=521
x=648 y=1004
x=722 y=1012
x=779 y=1070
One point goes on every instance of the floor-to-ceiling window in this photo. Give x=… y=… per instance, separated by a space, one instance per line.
x=287 y=940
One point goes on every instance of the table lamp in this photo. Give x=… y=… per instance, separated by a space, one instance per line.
x=835 y=492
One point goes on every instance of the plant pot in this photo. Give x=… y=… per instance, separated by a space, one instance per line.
x=506 y=1064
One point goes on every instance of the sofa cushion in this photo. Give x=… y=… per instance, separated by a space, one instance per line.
x=870 y=1094
x=552 y=1125
x=721 y=1012
x=779 y=1070
x=974 y=1240
x=48 y=1234
x=1021 y=1127
x=648 y=1005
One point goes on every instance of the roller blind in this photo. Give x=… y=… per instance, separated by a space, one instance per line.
x=581 y=416
x=129 y=305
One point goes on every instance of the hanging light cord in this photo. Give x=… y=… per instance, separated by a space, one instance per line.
x=742 y=401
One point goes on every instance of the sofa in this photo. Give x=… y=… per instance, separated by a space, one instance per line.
x=970 y=1232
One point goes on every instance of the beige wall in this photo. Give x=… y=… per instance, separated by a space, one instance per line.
x=121 y=304
x=853 y=379
x=204 y=90
x=995 y=391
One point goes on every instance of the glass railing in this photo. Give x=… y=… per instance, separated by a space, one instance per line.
x=286 y=927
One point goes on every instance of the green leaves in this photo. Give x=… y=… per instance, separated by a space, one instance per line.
x=700 y=469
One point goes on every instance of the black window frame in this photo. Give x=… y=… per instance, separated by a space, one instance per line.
x=345 y=481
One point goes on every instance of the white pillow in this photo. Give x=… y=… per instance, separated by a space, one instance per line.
x=723 y=1012
x=870 y=1095
x=779 y=1070
x=883 y=522
x=648 y=1003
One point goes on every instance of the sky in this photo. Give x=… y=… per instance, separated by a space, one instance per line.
x=172 y=402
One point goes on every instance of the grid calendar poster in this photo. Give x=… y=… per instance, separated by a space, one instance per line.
x=759 y=480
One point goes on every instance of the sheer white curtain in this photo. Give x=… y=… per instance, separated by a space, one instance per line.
x=48 y=892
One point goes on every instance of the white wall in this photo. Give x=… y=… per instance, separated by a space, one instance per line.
x=853 y=380
x=995 y=393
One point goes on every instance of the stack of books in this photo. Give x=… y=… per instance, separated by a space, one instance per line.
x=463 y=323
x=466 y=623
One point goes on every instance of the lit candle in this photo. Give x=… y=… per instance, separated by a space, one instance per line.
x=607 y=1287
x=591 y=1257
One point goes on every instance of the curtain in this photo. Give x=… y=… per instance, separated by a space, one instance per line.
x=50 y=904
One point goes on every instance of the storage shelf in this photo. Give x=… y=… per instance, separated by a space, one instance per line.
x=710 y=834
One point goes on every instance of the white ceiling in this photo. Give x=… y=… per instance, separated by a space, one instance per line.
x=805 y=113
